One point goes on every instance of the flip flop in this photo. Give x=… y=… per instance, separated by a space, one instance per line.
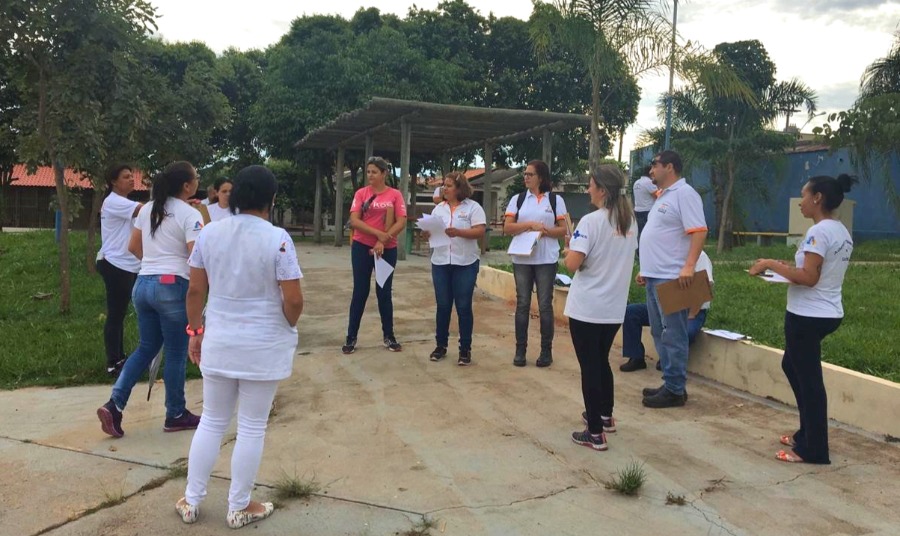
x=789 y=457
x=787 y=440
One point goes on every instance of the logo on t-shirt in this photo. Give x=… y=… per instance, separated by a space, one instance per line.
x=663 y=208
x=811 y=241
x=198 y=225
x=578 y=234
x=282 y=248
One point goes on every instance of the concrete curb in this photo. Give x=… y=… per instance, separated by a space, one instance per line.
x=864 y=401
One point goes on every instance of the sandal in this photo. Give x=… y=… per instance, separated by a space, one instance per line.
x=787 y=441
x=789 y=457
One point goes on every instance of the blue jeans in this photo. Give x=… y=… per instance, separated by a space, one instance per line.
x=670 y=336
x=162 y=318
x=363 y=265
x=454 y=284
x=636 y=317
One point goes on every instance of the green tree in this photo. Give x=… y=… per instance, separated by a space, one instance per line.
x=240 y=81
x=721 y=117
x=59 y=50
x=10 y=108
x=883 y=75
x=614 y=41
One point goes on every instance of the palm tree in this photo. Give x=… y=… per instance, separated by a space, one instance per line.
x=787 y=97
x=882 y=76
x=610 y=38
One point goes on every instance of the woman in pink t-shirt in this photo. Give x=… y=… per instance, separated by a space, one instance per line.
x=377 y=216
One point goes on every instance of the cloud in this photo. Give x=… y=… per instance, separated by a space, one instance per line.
x=838 y=96
x=873 y=14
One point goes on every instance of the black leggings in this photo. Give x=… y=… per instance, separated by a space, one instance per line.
x=802 y=364
x=119 y=284
x=592 y=343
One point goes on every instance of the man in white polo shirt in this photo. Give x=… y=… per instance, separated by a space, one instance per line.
x=644 y=196
x=669 y=248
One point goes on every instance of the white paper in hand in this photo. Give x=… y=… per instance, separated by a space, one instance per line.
x=436 y=230
x=523 y=243
x=383 y=271
x=773 y=277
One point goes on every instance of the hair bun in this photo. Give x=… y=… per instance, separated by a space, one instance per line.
x=846 y=181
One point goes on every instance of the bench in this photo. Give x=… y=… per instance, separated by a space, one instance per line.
x=762 y=238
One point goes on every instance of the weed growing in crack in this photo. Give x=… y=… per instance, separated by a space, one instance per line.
x=295 y=487
x=422 y=528
x=113 y=498
x=678 y=500
x=628 y=481
x=177 y=471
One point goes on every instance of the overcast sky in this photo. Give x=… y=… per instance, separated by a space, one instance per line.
x=825 y=43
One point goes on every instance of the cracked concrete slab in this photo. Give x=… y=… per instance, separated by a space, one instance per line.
x=484 y=449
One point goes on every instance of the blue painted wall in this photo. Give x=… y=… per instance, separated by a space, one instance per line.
x=873 y=217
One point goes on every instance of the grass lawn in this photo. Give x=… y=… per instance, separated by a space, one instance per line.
x=868 y=340
x=38 y=345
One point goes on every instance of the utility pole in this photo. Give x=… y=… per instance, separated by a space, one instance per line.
x=671 y=80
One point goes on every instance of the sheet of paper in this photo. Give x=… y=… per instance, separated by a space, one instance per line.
x=725 y=334
x=523 y=243
x=564 y=279
x=383 y=271
x=435 y=228
x=772 y=277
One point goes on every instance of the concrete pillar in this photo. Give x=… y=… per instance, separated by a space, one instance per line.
x=339 y=199
x=490 y=201
x=370 y=150
x=405 y=142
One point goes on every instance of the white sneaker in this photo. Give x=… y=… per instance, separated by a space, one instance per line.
x=240 y=518
x=188 y=513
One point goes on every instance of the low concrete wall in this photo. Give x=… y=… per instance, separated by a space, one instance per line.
x=864 y=401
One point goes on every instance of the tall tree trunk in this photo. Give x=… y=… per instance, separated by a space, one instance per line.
x=354 y=177
x=5 y=178
x=594 y=153
x=91 y=249
x=62 y=194
x=724 y=241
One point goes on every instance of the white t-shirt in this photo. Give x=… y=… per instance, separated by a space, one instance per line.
x=666 y=239
x=703 y=263
x=830 y=240
x=599 y=290
x=217 y=213
x=116 y=216
x=461 y=251
x=537 y=208
x=166 y=252
x=246 y=335
x=644 y=194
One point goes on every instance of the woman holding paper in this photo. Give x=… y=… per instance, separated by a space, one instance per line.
x=600 y=253
x=540 y=211
x=454 y=267
x=814 y=310
x=377 y=216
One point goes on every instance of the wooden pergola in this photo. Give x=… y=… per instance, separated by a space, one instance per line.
x=439 y=130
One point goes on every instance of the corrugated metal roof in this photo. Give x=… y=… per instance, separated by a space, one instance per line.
x=43 y=178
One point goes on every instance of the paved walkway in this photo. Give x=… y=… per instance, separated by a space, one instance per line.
x=394 y=438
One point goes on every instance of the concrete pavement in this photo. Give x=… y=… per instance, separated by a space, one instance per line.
x=394 y=438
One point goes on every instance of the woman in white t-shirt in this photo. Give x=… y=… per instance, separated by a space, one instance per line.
x=164 y=233
x=454 y=268
x=814 y=310
x=536 y=209
x=117 y=266
x=221 y=209
x=250 y=271
x=601 y=255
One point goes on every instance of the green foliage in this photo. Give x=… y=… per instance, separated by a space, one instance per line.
x=292 y=486
x=883 y=75
x=628 y=480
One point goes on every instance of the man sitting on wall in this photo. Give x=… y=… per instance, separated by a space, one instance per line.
x=636 y=317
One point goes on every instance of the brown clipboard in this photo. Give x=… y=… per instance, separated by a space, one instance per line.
x=672 y=298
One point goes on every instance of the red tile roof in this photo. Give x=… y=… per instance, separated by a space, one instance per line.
x=43 y=178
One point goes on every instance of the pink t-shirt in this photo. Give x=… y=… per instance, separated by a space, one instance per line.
x=377 y=211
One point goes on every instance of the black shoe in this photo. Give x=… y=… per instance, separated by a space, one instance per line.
x=545 y=359
x=465 y=358
x=116 y=369
x=651 y=391
x=110 y=419
x=519 y=360
x=391 y=344
x=440 y=352
x=664 y=399
x=658 y=366
x=632 y=365
x=350 y=346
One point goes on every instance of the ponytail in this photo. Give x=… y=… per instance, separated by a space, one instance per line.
x=621 y=215
x=168 y=184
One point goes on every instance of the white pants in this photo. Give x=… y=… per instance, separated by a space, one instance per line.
x=220 y=395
